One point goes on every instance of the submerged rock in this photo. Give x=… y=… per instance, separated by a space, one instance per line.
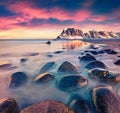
x=23 y=60
x=79 y=104
x=48 y=106
x=96 y=64
x=104 y=75
x=92 y=51
x=72 y=82
x=110 y=51
x=5 y=66
x=44 y=77
x=106 y=100
x=8 y=105
x=17 y=79
x=67 y=67
x=57 y=52
x=32 y=54
x=48 y=42
x=47 y=67
x=117 y=62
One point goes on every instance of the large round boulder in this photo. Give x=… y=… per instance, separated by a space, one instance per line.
x=44 y=78
x=8 y=105
x=48 y=106
x=72 y=82
x=67 y=67
x=79 y=104
x=17 y=79
x=96 y=64
x=104 y=75
x=47 y=67
x=87 y=58
x=106 y=100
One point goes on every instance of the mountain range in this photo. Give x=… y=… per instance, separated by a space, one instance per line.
x=72 y=33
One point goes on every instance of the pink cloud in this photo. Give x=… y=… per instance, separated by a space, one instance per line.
x=27 y=11
x=98 y=18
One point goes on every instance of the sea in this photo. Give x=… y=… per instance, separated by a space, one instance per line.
x=38 y=53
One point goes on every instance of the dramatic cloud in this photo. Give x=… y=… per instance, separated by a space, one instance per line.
x=58 y=14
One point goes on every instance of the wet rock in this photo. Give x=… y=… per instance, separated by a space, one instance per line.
x=93 y=52
x=117 y=62
x=104 y=75
x=5 y=66
x=48 y=106
x=106 y=100
x=110 y=51
x=47 y=67
x=44 y=77
x=57 y=52
x=17 y=79
x=101 y=52
x=96 y=64
x=48 y=42
x=72 y=82
x=79 y=104
x=32 y=54
x=49 y=55
x=23 y=60
x=87 y=58
x=68 y=67
x=8 y=105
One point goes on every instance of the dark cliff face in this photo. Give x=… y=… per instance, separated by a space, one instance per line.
x=72 y=33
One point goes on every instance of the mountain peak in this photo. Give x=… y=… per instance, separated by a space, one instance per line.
x=72 y=33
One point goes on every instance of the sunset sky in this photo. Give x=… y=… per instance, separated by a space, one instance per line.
x=47 y=18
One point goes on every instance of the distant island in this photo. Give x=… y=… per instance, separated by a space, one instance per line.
x=72 y=33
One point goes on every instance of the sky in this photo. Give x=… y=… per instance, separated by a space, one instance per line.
x=47 y=18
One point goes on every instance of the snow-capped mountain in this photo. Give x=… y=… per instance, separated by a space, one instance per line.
x=72 y=33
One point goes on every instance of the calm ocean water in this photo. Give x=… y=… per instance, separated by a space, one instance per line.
x=38 y=53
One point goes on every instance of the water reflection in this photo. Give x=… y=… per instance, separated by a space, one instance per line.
x=74 y=44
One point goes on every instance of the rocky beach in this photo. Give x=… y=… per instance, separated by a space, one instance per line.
x=61 y=77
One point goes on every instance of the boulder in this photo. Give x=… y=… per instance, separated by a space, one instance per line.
x=17 y=79
x=92 y=51
x=48 y=106
x=47 y=67
x=117 y=62
x=106 y=100
x=43 y=78
x=110 y=51
x=68 y=67
x=87 y=58
x=96 y=64
x=72 y=82
x=104 y=75
x=8 y=105
x=79 y=104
